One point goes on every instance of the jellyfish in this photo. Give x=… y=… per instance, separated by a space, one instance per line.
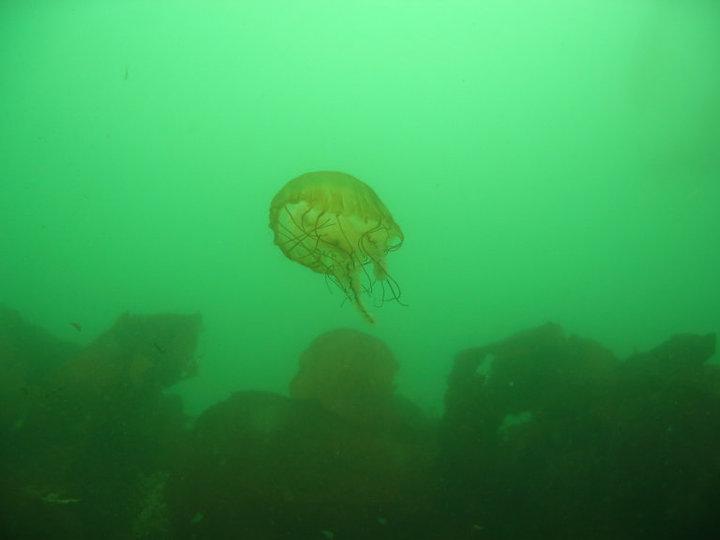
x=336 y=225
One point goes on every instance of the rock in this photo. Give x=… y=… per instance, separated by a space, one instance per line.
x=348 y=372
x=99 y=425
x=265 y=466
x=549 y=436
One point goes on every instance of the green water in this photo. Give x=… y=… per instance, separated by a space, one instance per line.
x=546 y=160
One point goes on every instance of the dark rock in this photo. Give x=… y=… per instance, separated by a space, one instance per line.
x=264 y=466
x=27 y=355
x=680 y=356
x=99 y=429
x=548 y=436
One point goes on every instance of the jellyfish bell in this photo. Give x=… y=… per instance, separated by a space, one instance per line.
x=336 y=225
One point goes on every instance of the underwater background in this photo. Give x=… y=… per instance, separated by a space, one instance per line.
x=547 y=161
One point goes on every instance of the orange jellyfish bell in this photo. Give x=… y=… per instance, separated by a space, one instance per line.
x=336 y=225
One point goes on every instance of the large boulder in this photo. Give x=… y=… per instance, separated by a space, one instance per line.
x=343 y=456
x=349 y=373
x=28 y=354
x=549 y=436
x=99 y=432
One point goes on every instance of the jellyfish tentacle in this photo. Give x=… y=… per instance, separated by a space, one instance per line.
x=355 y=286
x=395 y=290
